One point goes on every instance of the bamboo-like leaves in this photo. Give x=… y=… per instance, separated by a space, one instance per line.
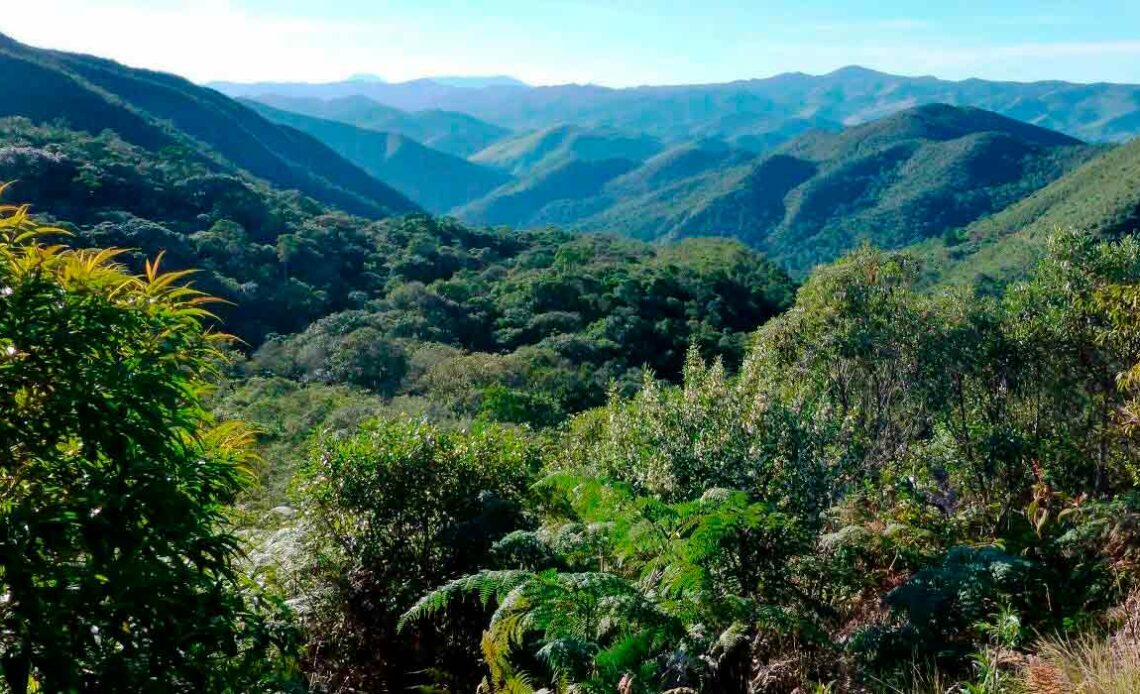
x=115 y=477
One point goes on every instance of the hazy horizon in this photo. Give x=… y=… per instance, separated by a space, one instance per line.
x=620 y=44
x=372 y=78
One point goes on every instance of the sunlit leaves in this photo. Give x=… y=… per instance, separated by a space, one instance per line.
x=115 y=565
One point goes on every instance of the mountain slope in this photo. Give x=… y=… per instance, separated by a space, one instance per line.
x=677 y=163
x=917 y=174
x=555 y=195
x=1102 y=197
x=565 y=178
x=435 y=180
x=155 y=110
x=893 y=182
x=751 y=108
x=447 y=131
x=279 y=260
x=547 y=149
x=413 y=95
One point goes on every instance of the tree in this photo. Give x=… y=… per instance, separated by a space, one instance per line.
x=116 y=571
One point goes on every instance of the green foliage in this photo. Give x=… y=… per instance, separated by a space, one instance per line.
x=712 y=432
x=642 y=581
x=527 y=327
x=918 y=476
x=116 y=569
x=396 y=508
x=945 y=601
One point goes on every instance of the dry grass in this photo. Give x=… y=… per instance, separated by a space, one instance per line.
x=1045 y=678
x=1085 y=665
x=920 y=680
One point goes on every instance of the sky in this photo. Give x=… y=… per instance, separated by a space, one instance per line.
x=615 y=43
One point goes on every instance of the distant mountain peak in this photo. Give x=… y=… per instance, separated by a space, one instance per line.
x=366 y=77
x=477 y=82
x=856 y=71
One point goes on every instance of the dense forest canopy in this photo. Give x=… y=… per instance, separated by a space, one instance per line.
x=481 y=317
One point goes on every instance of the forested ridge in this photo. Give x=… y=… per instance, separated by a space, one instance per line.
x=927 y=172
x=272 y=430
x=748 y=112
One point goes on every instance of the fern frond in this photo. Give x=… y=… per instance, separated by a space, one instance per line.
x=487 y=585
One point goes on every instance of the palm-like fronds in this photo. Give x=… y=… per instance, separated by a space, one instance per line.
x=646 y=578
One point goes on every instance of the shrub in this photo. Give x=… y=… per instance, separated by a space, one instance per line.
x=397 y=508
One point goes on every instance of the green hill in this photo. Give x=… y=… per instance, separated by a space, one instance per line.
x=552 y=196
x=894 y=182
x=433 y=179
x=565 y=190
x=155 y=110
x=547 y=149
x=447 y=131
x=678 y=163
x=1102 y=197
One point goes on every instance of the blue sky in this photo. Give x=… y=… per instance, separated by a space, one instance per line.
x=615 y=42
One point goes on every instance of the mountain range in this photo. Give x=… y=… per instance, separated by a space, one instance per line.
x=448 y=131
x=749 y=112
x=860 y=158
x=917 y=174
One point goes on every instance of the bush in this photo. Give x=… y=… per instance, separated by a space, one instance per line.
x=396 y=509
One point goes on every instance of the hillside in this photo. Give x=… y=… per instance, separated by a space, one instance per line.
x=580 y=189
x=543 y=150
x=284 y=261
x=560 y=188
x=156 y=110
x=754 y=108
x=447 y=131
x=1102 y=198
x=678 y=163
x=900 y=180
x=435 y=180
x=279 y=260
